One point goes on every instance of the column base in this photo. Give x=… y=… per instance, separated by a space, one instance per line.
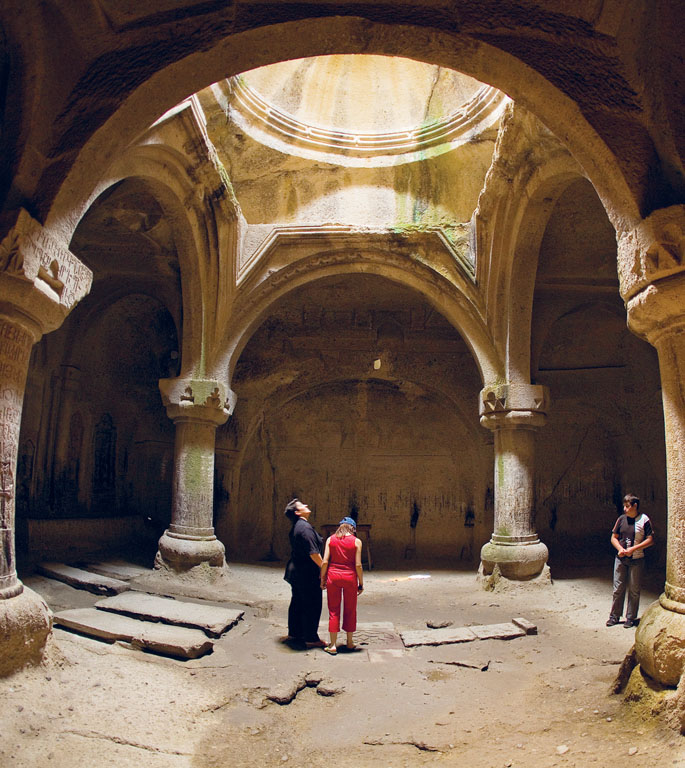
x=518 y=558
x=496 y=582
x=649 y=700
x=180 y=553
x=190 y=566
x=660 y=641
x=25 y=625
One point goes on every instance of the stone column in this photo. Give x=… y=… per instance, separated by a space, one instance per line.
x=513 y=412
x=40 y=282
x=658 y=314
x=189 y=546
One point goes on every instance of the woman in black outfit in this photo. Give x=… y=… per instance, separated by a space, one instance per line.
x=303 y=573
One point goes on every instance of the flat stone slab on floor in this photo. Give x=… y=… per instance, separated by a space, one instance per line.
x=504 y=631
x=123 y=571
x=437 y=636
x=77 y=577
x=211 y=619
x=180 y=642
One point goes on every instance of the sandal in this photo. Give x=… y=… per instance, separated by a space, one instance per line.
x=331 y=649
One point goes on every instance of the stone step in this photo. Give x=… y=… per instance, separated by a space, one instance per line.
x=505 y=631
x=116 y=570
x=77 y=577
x=179 y=642
x=211 y=619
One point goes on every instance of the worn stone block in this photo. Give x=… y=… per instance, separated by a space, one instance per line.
x=211 y=619
x=80 y=579
x=438 y=636
x=504 y=631
x=161 y=638
x=528 y=626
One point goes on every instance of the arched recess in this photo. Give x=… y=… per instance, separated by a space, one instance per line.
x=604 y=433
x=462 y=308
x=199 y=232
x=334 y=407
x=104 y=445
x=127 y=113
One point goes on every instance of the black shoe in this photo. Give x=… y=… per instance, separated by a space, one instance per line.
x=612 y=622
x=629 y=623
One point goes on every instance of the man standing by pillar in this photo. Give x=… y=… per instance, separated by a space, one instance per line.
x=631 y=535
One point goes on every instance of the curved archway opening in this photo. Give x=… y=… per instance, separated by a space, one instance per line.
x=167 y=82
x=96 y=444
x=358 y=396
x=604 y=437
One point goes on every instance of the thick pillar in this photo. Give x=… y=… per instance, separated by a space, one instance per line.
x=40 y=282
x=197 y=407
x=513 y=412
x=658 y=314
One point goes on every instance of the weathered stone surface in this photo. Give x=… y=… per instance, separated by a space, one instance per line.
x=505 y=631
x=528 y=626
x=213 y=620
x=329 y=688
x=77 y=577
x=25 y=623
x=122 y=571
x=438 y=636
x=285 y=692
x=312 y=679
x=161 y=638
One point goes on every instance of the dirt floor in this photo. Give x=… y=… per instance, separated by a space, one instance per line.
x=539 y=700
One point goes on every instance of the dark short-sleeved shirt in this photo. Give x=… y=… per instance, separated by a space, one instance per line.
x=633 y=530
x=304 y=542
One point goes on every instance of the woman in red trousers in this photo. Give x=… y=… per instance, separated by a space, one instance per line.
x=343 y=580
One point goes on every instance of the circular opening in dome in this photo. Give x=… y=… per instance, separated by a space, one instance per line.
x=361 y=93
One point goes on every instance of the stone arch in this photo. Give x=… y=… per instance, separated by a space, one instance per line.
x=461 y=311
x=165 y=81
x=168 y=177
x=519 y=226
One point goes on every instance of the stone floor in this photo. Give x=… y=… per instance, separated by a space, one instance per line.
x=533 y=700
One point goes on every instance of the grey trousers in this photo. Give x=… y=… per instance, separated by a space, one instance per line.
x=627 y=574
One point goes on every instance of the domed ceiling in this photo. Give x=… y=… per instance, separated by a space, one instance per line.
x=362 y=110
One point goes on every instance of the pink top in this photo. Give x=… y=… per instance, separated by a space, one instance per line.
x=342 y=553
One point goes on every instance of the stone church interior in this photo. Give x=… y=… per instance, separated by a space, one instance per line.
x=420 y=263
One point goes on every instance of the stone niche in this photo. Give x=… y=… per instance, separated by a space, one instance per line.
x=360 y=399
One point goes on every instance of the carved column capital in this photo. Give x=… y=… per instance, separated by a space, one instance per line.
x=205 y=400
x=651 y=251
x=659 y=309
x=40 y=279
x=513 y=405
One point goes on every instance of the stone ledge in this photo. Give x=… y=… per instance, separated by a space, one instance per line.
x=506 y=631
x=160 y=638
x=212 y=620
x=77 y=577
